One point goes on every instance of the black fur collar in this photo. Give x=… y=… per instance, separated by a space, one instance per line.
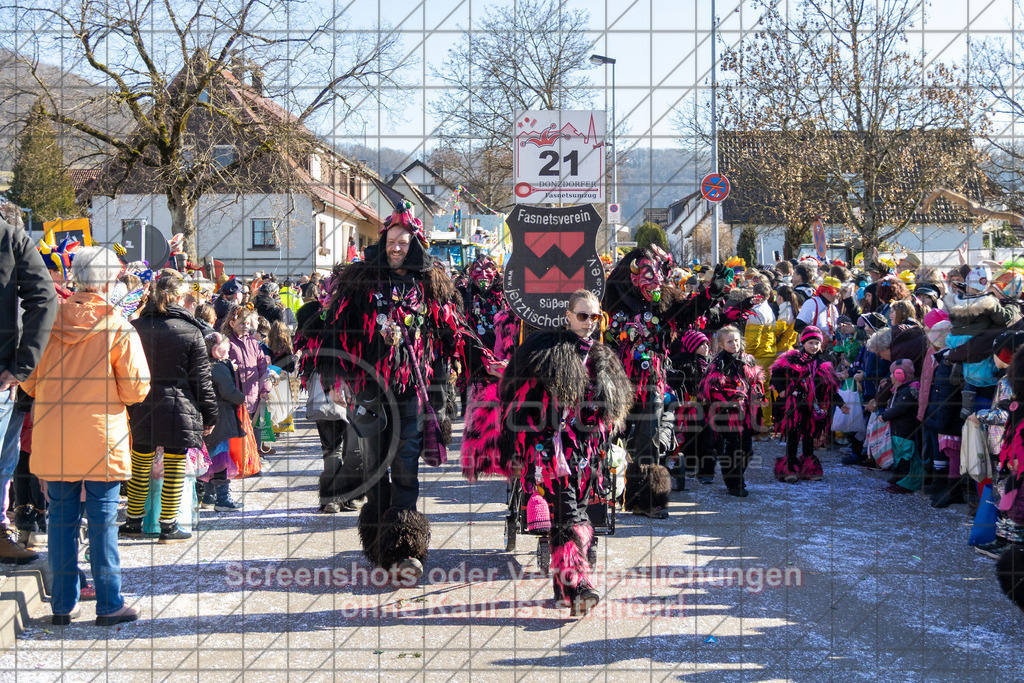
x=368 y=277
x=555 y=358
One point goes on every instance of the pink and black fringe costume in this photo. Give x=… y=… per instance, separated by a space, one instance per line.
x=733 y=390
x=641 y=332
x=376 y=326
x=809 y=382
x=560 y=399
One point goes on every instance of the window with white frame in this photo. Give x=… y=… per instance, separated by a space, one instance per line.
x=427 y=189
x=264 y=234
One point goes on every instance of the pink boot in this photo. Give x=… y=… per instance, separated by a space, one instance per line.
x=570 y=570
x=784 y=473
x=810 y=469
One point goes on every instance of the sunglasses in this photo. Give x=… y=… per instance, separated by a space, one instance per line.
x=584 y=317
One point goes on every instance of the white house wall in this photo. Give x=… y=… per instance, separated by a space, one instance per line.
x=935 y=244
x=224 y=228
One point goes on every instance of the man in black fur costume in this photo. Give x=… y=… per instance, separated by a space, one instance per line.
x=390 y=324
x=645 y=315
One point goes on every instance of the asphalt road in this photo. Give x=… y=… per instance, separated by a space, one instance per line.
x=815 y=581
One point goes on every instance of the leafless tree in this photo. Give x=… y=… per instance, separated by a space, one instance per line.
x=525 y=56
x=998 y=63
x=163 y=63
x=864 y=125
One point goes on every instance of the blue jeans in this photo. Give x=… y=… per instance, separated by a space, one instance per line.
x=65 y=498
x=11 y=422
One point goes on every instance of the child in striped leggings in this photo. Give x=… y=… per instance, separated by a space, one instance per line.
x=170 y=493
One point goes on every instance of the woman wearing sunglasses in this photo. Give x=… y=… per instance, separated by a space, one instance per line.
x=563 y=395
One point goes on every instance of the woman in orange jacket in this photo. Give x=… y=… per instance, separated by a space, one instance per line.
x=93 y=367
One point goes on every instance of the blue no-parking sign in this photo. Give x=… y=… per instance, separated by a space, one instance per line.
x=715 y=187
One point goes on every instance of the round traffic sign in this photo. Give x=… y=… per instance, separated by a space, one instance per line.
x=715 y=187
x=820 y=244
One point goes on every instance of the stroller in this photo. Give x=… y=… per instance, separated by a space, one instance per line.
x=600 y=510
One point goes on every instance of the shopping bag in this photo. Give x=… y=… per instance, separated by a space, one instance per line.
x=280 y=401
x=879 y=441
x=264 y=427
x=984 y=529
x=974 y=456
x=243 y=448
x=852 y=422
x=319 y=405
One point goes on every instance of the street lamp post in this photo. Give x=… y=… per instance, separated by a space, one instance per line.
x=716 y=207
x=601 y=60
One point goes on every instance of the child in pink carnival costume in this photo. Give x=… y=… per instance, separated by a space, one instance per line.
x=806 y=382
x=734 y=389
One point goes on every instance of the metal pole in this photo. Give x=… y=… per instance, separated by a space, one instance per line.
x=715 y=208
x=615 y=170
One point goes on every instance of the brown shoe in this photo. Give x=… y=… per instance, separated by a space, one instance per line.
x=12 y=553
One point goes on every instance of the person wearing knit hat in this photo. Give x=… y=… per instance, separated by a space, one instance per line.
x=386 y=336
x=908 y=278
x=901 y=414
x=805 y=382
x=978 y=280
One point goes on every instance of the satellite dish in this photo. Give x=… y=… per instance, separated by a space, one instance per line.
x=144 y=242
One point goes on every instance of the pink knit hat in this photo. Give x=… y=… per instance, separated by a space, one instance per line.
x=933 y=316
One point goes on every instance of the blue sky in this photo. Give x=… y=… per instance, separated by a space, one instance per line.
x=662 y=48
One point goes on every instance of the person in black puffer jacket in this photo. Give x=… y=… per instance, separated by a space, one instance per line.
x=180 y=409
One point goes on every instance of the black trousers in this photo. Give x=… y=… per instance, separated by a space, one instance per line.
x=793 y=439
x=737 y=448
x=568 y=502
x=343 y=466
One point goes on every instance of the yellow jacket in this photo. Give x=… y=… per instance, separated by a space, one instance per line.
x=759 y=336
x=93 y=366
x=785 y=337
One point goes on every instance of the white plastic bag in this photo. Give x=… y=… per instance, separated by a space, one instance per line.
x=280 y=400
x=852 y=422
x=974 y=454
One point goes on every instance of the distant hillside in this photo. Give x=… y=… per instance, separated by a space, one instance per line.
x=19 y=90
x=654 y=179
x=383 y=160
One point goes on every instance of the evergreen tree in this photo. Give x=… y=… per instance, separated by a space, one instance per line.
x=746 y=246
x=651 y=233
x=40 y=182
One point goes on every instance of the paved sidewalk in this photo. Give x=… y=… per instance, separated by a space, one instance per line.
x=810 y=582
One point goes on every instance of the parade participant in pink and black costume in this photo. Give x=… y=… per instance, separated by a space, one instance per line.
x=562 y=396
x=734 y=389
x=487 y=315
x=806 y=383
x=645 y=315
x=387 y=323
x=483 y=298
